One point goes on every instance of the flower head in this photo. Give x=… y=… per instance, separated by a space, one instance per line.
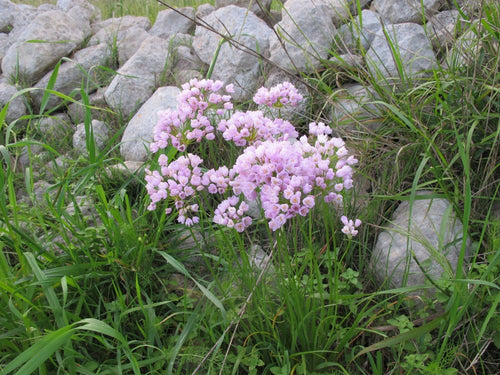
x=282 y=94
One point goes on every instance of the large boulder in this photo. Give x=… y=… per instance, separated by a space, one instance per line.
x=414 y=50
x=402 y=11
x=109 y=31
x=304 y=36
x=82 y=12
x=129 y=41
x=138 y=78
x=360 y=31
x=170 y=22
x=236 y=63
x=422 y=241
x=139 y=131
x=73 y=73
x=261 y=8
x=49 y=37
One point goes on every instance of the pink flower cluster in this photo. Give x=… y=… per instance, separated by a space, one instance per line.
x=285 y=177
x=252 y=127
x=282 y=94
x=189 y=121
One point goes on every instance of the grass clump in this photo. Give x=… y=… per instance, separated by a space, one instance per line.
x=93 y=282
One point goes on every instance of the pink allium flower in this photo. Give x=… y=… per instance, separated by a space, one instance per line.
x=282 y=94
x=285 y=178
x=227 y=214
x=252 y=127
x=350 y=226
x=189 y=121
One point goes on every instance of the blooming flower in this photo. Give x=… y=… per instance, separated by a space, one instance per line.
x=285 y=177
x=282 y=94
x=189 y=122
x=252 y=127
x=350 y=226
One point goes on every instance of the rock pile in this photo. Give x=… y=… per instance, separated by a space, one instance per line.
x=70 y=49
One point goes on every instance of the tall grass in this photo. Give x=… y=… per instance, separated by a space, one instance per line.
x=115 y=288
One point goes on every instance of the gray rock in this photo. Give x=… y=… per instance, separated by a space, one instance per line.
x=56 y=168
x=306 y=32
x=76 y=110
x=26 y=157
x=185 y=59
x=129 y=42
x=80 y=9
x=137 y=79
x=55 y=128
x=183 y=76
x=444 y=28
x=261 y=8
x=139 y=131
x=469 y=7
x=420 y=242
x=107 y=31
x=464 y=51
x=259 y=259
x=84 y=206
x=170 y=22
x=7 y=8
x=124 y=170
x=191 y=238
x=204 y=10
x=100 y=132
x=74 y=73
x=361 y=31
x=402 y=11
x=414 y=49
x=41 y=192
x=5 y=43
x=17 y=107
x=346 y=62
x=45 y=7
x=22 y=16
x=233 y=64
x=353 y=108
x=31 y=60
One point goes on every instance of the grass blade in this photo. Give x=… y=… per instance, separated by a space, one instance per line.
x=34 y=357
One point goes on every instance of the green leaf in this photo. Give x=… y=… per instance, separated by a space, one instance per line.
x=396 y=340
x=32 y=358
x=98 y=326
x=180 y=268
